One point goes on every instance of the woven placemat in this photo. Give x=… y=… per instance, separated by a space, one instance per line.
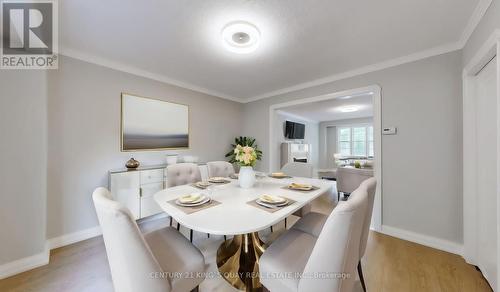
x=270 y=210
x=314 y=188
x=194 y=209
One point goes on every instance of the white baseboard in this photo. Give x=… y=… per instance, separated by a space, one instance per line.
x=24 y=264
x=74 y=237
x=41 y=259
x=430 y=241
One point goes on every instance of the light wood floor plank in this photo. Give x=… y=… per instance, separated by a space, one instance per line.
x=390 y=264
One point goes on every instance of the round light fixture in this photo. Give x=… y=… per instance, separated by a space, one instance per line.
x=240 y=37
x=349 y=109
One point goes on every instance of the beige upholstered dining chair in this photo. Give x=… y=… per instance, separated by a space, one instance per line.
x=349 y=179
x=220 y=168
x=299 y=169
x=183 y=174
x=138 y=262
x=313 y=222
x=312 y=262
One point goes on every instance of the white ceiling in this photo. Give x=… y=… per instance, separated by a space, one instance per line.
x=179 y=41
x=329 y=110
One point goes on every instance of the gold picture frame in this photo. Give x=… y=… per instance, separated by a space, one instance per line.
x=125 y=143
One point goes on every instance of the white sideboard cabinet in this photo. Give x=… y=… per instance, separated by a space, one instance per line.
x=135 y=188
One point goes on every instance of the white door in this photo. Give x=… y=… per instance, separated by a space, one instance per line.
x=486 y=141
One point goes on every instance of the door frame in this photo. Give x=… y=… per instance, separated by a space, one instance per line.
x=377 y=137
x=484 y=55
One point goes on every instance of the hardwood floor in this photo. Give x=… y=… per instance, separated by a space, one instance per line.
x=390 y=264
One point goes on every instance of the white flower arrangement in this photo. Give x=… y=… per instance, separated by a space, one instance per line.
x=245 y=155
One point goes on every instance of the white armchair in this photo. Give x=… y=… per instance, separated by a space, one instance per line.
x=136 y=261
x=313 y=222
x=300 y=253
x=182 y=174
x=350 y=178
x=299 y=169
x=220 y=168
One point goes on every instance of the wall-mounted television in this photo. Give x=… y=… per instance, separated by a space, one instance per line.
x=294 y=130
x=152 y=124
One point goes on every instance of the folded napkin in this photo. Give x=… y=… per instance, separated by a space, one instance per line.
x=300 y=186
x=271 y=199
x=278 y=174
x=190 y=198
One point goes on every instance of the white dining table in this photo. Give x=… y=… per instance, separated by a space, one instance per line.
x=237 y=258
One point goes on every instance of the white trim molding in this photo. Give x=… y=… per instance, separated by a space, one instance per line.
x=376 y=92
x=92 y=59
x=474 y=20
x=430 y=241
x=74 y=237
x=472 y=245
x=24 y=264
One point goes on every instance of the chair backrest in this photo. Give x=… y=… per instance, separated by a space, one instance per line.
x=182 y=174
x=333 y=261
x=350 y=178
x=130 y=259
x=370 y=185
x=299 y=169
x=220 y=168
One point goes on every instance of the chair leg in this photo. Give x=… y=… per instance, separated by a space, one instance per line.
x=360 y=273
x=285 y=223
x=171 y=219
x=225 y=238
x=178 y=226
x=191 y=235
x=208 y=235
x=271 y=229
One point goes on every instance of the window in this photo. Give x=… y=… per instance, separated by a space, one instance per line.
x=355 y=141
x=345 y=141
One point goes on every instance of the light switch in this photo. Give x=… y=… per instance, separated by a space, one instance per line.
x=389 y=131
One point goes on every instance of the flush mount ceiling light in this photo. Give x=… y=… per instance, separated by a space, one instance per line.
x=240 y=37
x=349 y=109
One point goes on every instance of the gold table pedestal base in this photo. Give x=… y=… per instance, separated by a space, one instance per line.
x=238 y=261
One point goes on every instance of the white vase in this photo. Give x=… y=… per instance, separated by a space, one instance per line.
x=246 y=177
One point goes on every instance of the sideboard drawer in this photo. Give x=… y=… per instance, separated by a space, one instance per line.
x=151 y=176
x=148 y=204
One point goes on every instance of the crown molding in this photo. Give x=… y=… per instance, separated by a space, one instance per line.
x=474 y=20
x=75 y=54
x=297 y=117
x=363 y=70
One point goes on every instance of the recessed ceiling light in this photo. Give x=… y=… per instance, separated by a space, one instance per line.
x=240 y=37
x=349 y=109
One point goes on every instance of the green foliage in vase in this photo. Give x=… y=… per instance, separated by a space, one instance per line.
x=243 y=141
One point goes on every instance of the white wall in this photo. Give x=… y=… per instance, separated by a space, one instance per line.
x=310 y=137
x=84 y=135
x=422 y=164
x=328 y=139
x=23 y=132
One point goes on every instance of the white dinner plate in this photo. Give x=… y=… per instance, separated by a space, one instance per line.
x=204 y=201
x=269 y=199
x=268 y=205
